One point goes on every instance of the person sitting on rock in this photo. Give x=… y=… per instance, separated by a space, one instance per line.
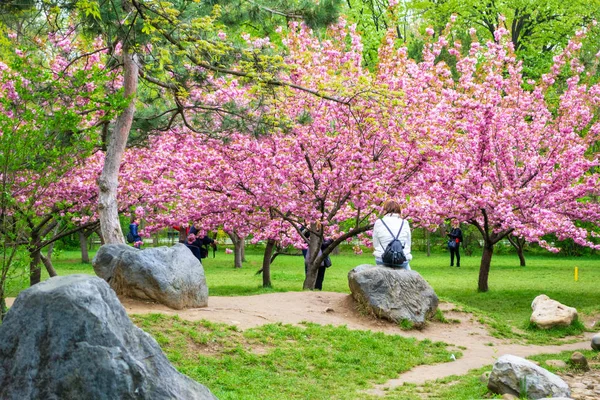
x=382 y=236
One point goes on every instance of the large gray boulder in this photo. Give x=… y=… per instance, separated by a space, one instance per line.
x=70 y=338
x=168 y=275
x=393 y=294
x=511 y=373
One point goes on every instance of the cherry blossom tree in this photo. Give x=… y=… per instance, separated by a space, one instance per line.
x=49 y=119
x=522 y=160
x=328 y=162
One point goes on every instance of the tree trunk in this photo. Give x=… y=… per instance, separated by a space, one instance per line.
x=238 y=248
x=85 y=257
x=49 y=267
x=428 y=242
x=109 y=179
x=484 y=268
x=519 y=245
x=182 y=235
x=266 y=267
x=312 y=268
x=51 y=245
x=243 y=250
x=35 y=271
x=3 y=309
x=99 y=233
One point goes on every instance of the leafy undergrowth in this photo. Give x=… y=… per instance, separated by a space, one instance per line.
x=279 y=361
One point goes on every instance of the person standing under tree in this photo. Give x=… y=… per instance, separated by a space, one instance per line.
x=133 y=228
x=456 y=238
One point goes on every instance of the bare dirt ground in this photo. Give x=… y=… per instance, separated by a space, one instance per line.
x=476 y=344
x=327 y=308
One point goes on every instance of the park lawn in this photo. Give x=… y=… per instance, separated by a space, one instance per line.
x=507 y=304
x=279 y=361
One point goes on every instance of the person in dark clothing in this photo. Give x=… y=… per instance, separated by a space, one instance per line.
x=201 y=243
x=191 y=244
x=456 y=238
x=133 y=228
x=326 y=263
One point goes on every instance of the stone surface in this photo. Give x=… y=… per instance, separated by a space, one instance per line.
x=584 y=385
x=511 y=372
x=556 y=363
x=483 y=378
x=393 y=294
x=70 y=338
x=168 y=275
x=548 y=313
x=596 y=342
x=578 y=360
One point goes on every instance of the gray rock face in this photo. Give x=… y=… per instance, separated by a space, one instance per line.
x=70 y=338
x=596 y=342
x=511 y=373
x=168 y=275
x=393 y=294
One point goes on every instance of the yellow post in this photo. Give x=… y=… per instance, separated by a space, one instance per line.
x=576 y=274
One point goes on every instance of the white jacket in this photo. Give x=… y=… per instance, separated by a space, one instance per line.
x=381 y=236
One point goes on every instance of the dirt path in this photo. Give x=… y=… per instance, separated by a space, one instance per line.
x=338 y=309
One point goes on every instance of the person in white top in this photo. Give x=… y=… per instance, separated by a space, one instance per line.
x=381 y=236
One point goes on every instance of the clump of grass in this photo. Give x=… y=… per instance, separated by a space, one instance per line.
x=278 y=361
x=439 y=316
x=406 y=324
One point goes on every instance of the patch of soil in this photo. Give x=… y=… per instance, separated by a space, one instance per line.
x=464 y=333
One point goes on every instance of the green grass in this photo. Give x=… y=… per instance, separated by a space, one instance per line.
x=287 y=362
x=505 y=306
x=313 y=362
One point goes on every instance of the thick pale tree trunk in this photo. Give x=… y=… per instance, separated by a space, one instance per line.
x=266 y=267
x=109 y=179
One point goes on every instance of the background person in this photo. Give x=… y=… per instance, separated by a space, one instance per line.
x=381 y=235
x=133 y=228
x=456 y=238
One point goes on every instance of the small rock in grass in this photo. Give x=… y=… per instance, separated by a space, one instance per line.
x=485 y=376
x=578 y=360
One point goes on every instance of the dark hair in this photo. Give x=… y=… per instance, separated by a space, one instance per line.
x=391 y=207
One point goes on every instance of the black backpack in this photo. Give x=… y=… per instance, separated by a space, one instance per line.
x=130 y=237
x=393 y=255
